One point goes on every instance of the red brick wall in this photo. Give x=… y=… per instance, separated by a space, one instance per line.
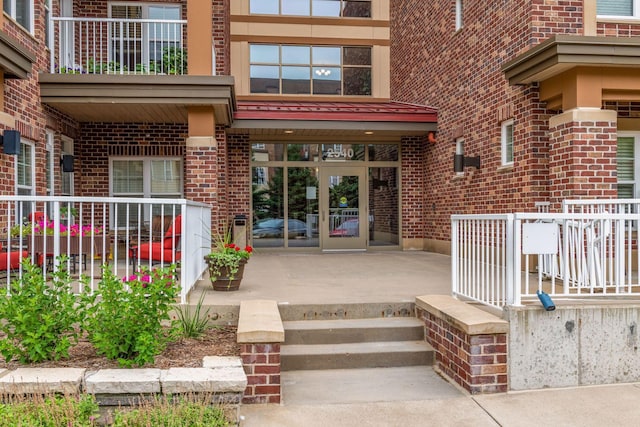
x=239 y=188
x=460 y=74
x=582 y=161
x=221 y=21
x=262 y=365
x=478 y=363
x=413 y=176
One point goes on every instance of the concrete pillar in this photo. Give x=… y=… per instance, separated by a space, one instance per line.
x=582 y=155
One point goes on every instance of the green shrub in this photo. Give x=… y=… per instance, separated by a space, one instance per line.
x=126 y=325
x=41 y=320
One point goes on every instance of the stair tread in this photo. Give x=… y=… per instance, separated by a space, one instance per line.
x=355 y=348
x=388 y=322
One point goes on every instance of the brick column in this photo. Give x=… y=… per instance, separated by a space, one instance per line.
x=582 y=155
x=412 y=197
x=262 y=366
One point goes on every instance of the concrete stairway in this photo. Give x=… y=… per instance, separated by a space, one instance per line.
x=354 y=343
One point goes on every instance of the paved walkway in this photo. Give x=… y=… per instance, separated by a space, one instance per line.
x=586 y=406
x=346 y=277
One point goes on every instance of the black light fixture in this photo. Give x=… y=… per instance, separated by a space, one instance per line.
x=11 y=142
x=67 y=163
x=460 y=162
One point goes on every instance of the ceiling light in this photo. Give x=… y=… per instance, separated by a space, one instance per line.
x=368 y=132
x=288 y=131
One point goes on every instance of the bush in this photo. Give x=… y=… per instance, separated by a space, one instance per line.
x=126 y=325
x=41 y=320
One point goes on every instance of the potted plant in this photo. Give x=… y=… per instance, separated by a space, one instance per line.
x=226 y=263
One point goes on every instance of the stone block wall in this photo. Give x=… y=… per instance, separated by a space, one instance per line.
x=262 y=366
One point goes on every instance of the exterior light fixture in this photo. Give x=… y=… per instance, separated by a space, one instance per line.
x=369 y=132
x=11 y=142
x=67 y=163
x=288 y=131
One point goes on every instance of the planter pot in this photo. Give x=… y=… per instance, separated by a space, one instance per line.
x=223 y=282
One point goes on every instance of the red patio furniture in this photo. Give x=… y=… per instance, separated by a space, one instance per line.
x=10 y=260
x=167 y=250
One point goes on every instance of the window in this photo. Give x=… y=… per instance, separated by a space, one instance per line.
x=259 y=176
x=147 y=46
x=21 y=11
x=145 y=178
x=326 y=8
x=317 y=70
x=459 y=14
x=66 y=178
x=507 y=142
x=460 y=150
x=624 y=8
x=627 y=168
x=49 y=163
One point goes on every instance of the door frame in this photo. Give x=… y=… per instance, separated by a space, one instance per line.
x=347 y=243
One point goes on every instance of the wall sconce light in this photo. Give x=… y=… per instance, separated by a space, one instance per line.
x=67 y=163
x=460 y=162
x=11 y=142
x=431 y=137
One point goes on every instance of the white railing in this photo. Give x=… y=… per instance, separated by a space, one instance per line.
x=122 y=233
x=500 y=260
x=117 y=46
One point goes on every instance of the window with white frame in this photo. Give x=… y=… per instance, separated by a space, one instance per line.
x=25 y=170
x=459 y=14
x=49 y=163
x=21 y=11
x=627 y=166
x=66 y=178
x=507 y=142
x=310 y=70
x=144 y=178
x=618 y=8
x=460 y=150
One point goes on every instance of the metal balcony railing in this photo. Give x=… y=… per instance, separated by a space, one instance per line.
x=117 y=46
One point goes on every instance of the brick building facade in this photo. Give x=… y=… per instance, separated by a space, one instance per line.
x=542 y=69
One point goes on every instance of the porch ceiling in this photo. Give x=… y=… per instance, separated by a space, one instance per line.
x=564 y=52
x=135 y=98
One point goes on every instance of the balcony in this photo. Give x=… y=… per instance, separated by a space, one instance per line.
x=128 y=70
x=118 y=46
x=121 y=233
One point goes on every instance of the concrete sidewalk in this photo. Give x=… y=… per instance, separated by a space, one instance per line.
x=615 y=405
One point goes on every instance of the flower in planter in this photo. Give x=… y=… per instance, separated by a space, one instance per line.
x=43 y=227
x=226 y=257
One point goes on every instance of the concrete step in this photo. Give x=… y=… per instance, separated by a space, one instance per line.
x=356 y=355
x=353 y=330
x=290 y=312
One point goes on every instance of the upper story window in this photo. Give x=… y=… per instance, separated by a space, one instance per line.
x=507 y=142
x=310 y=70
x=622 y=8
x=21 y=11
x=327 y=8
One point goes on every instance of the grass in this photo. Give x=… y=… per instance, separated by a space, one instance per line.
x=83 y=411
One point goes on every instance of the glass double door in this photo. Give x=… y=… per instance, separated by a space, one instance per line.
x=343 y=216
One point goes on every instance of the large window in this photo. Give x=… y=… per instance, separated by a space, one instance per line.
x=144 y=178
x=507 y=142
x=21 y=11
x=25 y=170
x=326 y=8
x=623 y=8
x=146 y=46
x=628 y=164
x=317 y=70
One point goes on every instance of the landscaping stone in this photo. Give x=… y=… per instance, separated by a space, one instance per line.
x=123 y=381
x=221 y=362
x=42 y=380
x=203 y=380
x=2 y=372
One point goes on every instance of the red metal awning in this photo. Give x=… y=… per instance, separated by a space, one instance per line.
x=335 y=111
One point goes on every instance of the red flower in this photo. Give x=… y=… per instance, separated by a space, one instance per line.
x=248 y=249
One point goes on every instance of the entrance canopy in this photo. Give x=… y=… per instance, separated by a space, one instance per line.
x=324 y=118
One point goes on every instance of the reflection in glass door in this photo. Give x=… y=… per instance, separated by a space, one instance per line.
x=344 y=220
